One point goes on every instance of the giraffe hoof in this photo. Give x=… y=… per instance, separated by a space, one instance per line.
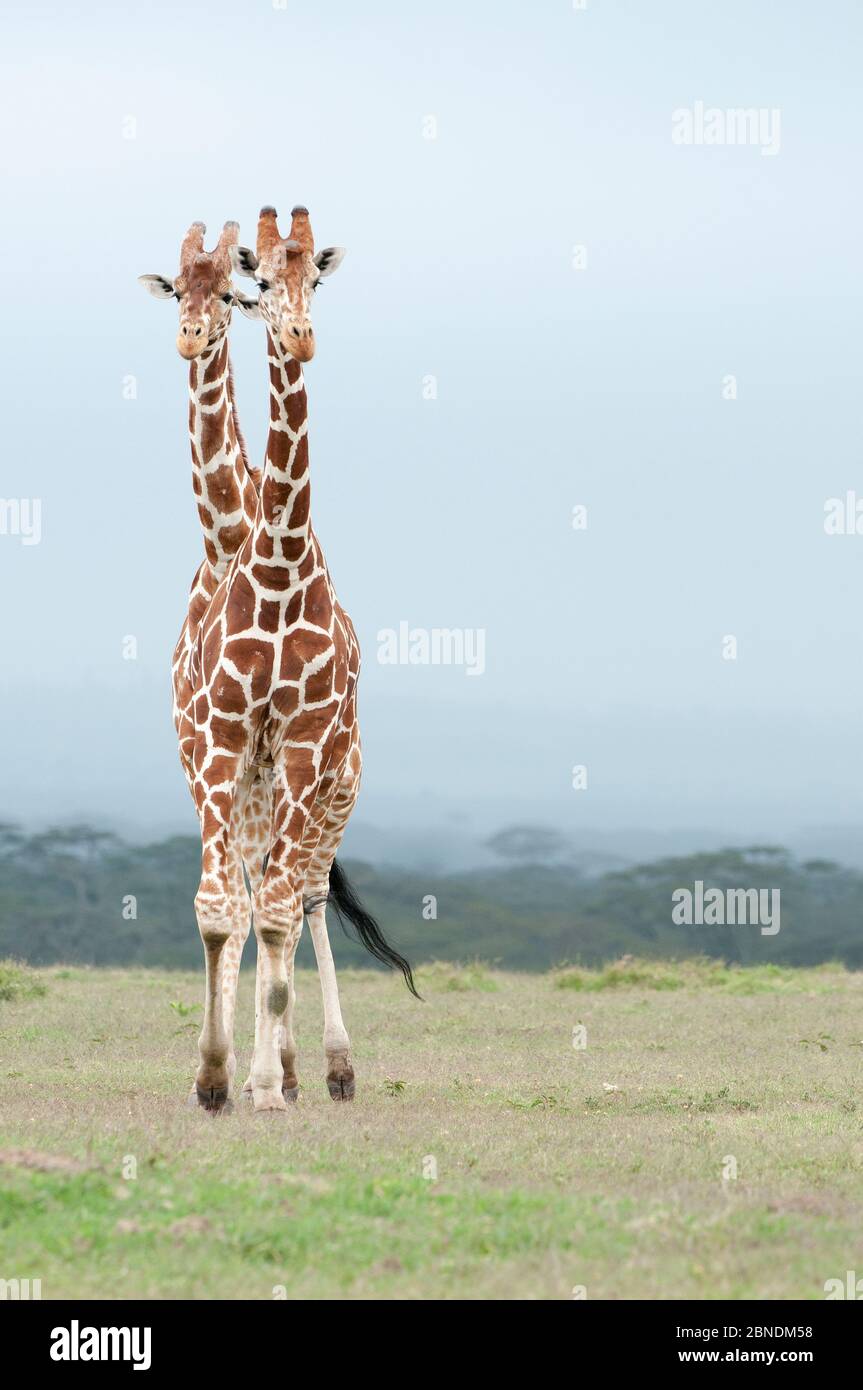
x=340 y=1077
x=268 y=1098
x=291 y=1094
x=213 y=1099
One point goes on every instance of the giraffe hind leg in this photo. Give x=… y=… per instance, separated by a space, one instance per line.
x=256 y=835
x=341 y=1082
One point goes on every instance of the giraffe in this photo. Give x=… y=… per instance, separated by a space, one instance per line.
x=274 y=672
x=226 y=488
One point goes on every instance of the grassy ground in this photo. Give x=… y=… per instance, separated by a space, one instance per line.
x=556 y=1166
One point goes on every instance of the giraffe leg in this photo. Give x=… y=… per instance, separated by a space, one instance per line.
x=256 y=834
x=215 y=908
x=287 y=1043
x=311 y=837
x=241 y=913
x=278 y=918
x=337 y=1047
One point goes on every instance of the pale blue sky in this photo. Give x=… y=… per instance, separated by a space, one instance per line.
x=555 y=387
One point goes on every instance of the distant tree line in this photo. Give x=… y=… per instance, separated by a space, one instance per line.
x=79 y=894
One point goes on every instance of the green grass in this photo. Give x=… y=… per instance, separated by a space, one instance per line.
x=445 y=975
x=485 y=1156
x=697 y=973
x=18 y=981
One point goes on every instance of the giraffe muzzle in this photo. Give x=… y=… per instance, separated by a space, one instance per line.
x=298 y=339
x=192 y=339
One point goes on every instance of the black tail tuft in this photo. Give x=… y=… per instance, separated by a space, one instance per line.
x=350 y=910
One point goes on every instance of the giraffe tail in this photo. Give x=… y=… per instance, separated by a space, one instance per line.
x=351 y=912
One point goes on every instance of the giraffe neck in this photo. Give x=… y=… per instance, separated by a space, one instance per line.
x=223 y=482
x=283 y=531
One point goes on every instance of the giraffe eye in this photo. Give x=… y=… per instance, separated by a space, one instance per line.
x=226 y=298
x=263 y=285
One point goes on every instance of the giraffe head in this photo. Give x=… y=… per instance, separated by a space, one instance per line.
x=287 y=273
x=203 y=288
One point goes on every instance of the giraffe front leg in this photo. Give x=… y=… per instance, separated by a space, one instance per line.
x=216 y=911
x=246 y=1093
x=238 y=849
x=287 y=1044
x=213 y=1079
x=233 y=954
x=278 y=921
x=256 y=834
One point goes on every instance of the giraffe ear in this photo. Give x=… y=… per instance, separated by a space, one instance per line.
x=250 y=307
x=329 y=260
x=158 y=286
x=244 y=261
